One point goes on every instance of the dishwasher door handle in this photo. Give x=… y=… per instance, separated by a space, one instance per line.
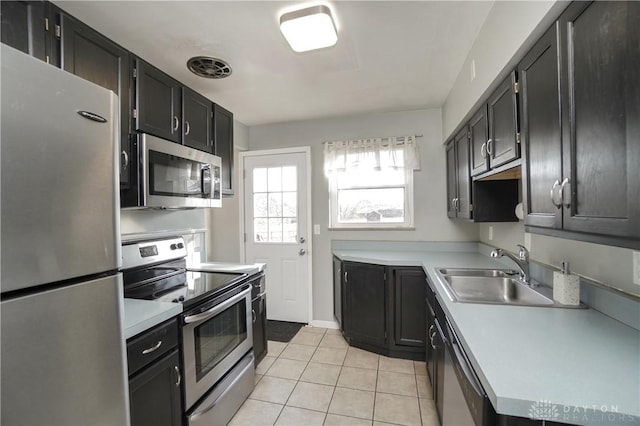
x=460 y=364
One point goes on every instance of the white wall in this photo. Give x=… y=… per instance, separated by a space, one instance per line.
x=161 y=221
x=223 y=224
x=508 y=32
x=431 y=222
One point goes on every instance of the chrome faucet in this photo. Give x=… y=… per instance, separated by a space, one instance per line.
x=522 y=260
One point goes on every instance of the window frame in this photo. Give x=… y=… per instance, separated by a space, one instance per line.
x=407 y=224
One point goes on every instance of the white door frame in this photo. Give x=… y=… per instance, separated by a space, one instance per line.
x=306 y=150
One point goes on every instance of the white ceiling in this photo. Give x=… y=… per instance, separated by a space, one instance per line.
x=390 y=55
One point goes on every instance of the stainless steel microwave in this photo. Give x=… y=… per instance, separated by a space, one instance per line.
x=170 y=175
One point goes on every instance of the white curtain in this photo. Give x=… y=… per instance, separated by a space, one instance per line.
x=376 y=154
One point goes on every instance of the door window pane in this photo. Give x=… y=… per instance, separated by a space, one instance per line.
x=275 y=204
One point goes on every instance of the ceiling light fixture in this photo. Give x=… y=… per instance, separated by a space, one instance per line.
x=309 y=28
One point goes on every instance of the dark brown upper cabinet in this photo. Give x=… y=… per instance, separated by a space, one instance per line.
x=23 y=26
x=478 y=136
x=223 y=141
x=458 y=178
x=88 y=54
x=494 y=136
x=196 y=120
x=541 y=129
x=600 y=62
x=158 y=103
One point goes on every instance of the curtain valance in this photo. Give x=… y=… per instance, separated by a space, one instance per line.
x=373 y=154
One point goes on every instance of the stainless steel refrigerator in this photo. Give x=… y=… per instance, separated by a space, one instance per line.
x=63 y=357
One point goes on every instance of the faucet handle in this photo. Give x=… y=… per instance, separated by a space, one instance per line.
x=523 y=253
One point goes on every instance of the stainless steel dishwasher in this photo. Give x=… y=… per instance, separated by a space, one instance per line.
x=465 y=401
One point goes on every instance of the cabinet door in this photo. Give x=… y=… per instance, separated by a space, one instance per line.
x=408 y=295
x=541 y=130
x=478 y=136
x=601 y=110
x=223 y=141
x=502 y=146
x=89 y=55
x=364 y=313
x=463 y=201
x=337 y=290
x=196 y=119
x=154 y=394
x=157 y=103
x=452 y=179
x=259 y=312
x=22 y=26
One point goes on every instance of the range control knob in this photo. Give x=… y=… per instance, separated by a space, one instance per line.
x=173 y=246
x=181 y=298
x=180 y=245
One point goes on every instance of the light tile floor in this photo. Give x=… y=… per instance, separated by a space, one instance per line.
x=318 y=379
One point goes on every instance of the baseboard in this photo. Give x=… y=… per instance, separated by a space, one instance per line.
x=325 y=324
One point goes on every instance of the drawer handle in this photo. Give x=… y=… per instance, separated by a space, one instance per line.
x=152 y=348
x=179 y=375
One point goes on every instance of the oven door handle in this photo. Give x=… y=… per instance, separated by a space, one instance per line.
x=218 y=308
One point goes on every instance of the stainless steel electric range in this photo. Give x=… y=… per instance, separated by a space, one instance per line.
x=216 y=325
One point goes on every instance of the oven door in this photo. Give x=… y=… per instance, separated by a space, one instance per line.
x=215 y=338
x=174 y=175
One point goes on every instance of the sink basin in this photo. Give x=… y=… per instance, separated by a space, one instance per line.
x=459 y=272
x=494 y=289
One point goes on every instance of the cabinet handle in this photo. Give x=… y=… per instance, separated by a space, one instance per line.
x=187 y=128
x=176 y=123
x=457 y=204
x=124 y=161
x=483 y=150
x=345 y=276
x=175 y=367
x=552 y=194
x=254 y=316
x=490 y=146
x=564 y=183
x=453 y=204
x=152 y=348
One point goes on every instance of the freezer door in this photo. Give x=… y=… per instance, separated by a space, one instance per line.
x=60 y=196
x=63 y=356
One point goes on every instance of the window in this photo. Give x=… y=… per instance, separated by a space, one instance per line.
x=275 y=204
x=371 y=183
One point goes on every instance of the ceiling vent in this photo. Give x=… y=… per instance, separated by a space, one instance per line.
x=208 y=67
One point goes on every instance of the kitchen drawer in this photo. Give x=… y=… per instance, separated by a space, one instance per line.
x=151 y=345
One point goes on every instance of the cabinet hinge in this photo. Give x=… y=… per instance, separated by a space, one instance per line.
x=58 y=31
x=518 y=137
x=385 y=276
x=516 y=87
x=468 y=135
x=470 y=207
x=135 y=73
x=135 y=113
x=46 y=24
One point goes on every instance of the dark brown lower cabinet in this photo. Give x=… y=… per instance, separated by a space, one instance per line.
x=154 y=394
x=259 y=311
x=383 y=308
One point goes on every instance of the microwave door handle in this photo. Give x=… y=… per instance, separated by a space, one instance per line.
x=205 y=183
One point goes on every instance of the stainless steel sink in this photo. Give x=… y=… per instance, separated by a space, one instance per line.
x=491 y=286
x=459 y=272
x=501 y=290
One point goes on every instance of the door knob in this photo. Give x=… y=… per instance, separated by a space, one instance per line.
x=302 y=240
x=302 y=252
